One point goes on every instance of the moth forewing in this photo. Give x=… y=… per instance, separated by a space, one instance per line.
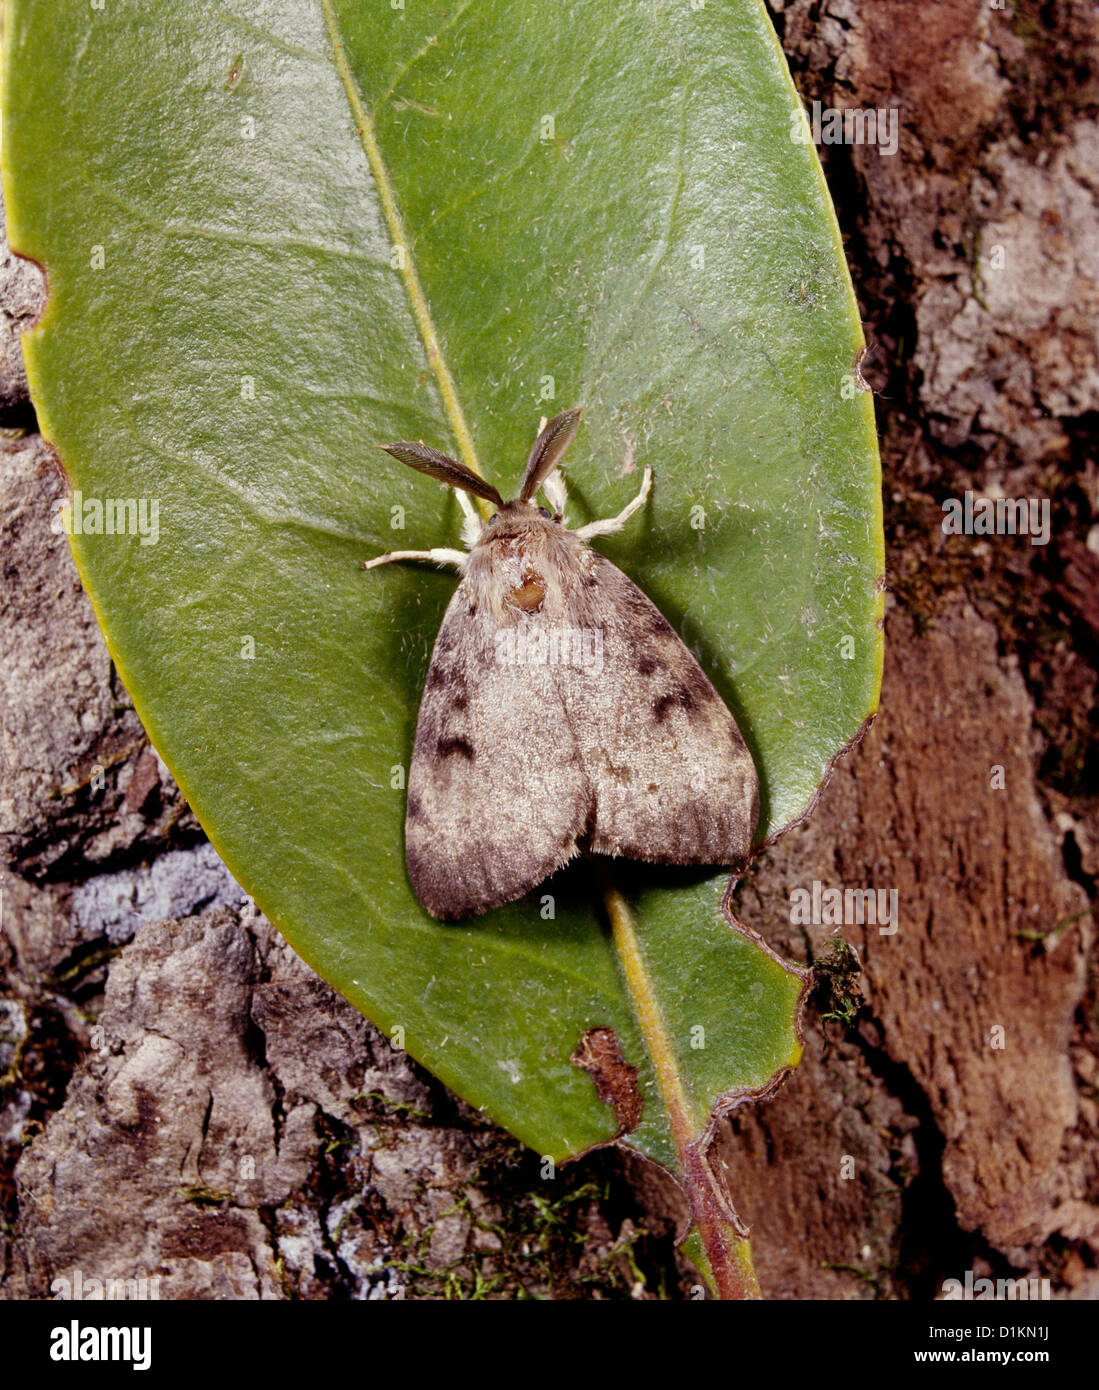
x=497 y=798
x=673 y=780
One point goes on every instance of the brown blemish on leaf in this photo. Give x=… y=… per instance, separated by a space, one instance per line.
x=615 y=1080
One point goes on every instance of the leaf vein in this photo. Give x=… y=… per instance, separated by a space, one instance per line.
x=417 y=298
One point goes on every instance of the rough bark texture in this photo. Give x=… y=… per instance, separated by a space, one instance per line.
x=181 y=1099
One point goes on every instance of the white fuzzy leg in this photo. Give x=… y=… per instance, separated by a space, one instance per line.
x=472 y=526
x=470 y=518
x=615 y=523
x=457 y=558
x=556 y=493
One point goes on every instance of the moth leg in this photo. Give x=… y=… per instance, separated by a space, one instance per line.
x=472 y=526
x=616 y=523
x=469 y=511
x=457 y=558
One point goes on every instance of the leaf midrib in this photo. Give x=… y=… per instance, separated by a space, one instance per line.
x=410 y=278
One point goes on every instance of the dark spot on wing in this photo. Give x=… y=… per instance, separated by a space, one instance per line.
x=648 y=664
x=412 y=807
x=454 y=748
x=698 y=684
x=452 y=678
x=427 y=729
x=679 y=697
x=651 y=620
x=621 y=772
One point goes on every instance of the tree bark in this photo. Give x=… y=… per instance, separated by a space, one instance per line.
x=184 y=1101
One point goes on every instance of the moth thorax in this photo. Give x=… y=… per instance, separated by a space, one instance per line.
x=530 y=594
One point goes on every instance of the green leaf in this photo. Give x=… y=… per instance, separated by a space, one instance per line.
x=275 y=241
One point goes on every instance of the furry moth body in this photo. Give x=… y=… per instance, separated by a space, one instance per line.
x=561 y=712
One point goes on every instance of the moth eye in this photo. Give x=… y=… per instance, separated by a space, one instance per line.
x=544 y=511
x=494 y=518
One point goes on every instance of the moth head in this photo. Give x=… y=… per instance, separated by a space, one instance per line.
x=547 y=451
x=518 y=509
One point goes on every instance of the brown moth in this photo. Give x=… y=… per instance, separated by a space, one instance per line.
x=561 y=713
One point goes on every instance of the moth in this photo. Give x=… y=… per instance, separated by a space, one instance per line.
x=561 y=714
